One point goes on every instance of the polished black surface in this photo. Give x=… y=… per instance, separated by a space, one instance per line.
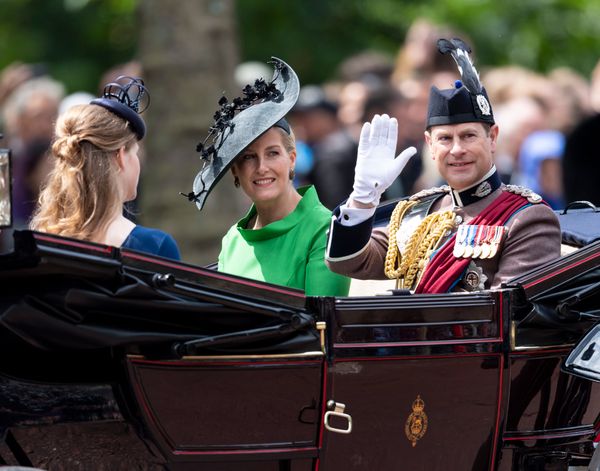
x=145 y=363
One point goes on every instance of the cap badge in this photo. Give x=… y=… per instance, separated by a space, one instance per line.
x=483 y=189
x=484 y=105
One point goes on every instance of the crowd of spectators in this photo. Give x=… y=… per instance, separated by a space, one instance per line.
x=547 y=122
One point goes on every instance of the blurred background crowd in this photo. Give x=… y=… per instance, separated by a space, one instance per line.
x=548 y=114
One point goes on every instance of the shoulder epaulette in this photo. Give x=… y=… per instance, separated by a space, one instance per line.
x=430 y=192
x=531 y=196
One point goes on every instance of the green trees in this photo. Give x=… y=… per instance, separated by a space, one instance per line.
x=78 y=39
x=315 y=35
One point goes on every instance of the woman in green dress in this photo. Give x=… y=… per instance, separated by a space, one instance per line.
x=282 y=238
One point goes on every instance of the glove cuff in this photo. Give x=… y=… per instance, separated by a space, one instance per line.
x=366 y=197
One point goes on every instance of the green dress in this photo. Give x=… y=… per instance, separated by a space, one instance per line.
x=288 y=252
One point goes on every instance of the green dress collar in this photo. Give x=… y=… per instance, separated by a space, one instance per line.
x=277 y=228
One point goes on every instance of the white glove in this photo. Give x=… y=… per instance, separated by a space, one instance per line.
x=376 y=167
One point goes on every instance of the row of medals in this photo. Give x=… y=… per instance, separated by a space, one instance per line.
x=477 y=241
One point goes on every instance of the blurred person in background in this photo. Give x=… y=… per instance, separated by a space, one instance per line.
x=29 y=113
x=581 y=160
x=522 y=107
x=73 y=99
x=537 y=114
x=540 y=161
x=333 y=148
x=389 y=100
x=542 y=151
x=417 y=57
x=14 y=75
x=573 y=98
x=518 y=118
x=96 y=169
x=360 y=75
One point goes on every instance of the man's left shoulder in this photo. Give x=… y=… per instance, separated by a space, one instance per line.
x=531 y=196
x=536 y=206
x=533 y=213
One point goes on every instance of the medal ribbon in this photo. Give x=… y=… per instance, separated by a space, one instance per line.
x=444 y=269
x=471 y=236
x=459 y=246
x=481 y=234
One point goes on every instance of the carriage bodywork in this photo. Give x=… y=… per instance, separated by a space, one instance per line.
x=114 y=359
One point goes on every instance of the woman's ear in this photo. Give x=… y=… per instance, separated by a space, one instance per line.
x=293 y=157
x=121 y=158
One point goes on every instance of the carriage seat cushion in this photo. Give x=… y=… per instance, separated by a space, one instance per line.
x=579 y=227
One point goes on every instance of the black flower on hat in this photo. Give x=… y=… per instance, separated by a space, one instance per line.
x=261 y=91
x=239 y=122
x=127 y=97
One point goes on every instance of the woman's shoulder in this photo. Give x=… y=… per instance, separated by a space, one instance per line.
x=154 y=241
x=317 y=210
x=143 y=232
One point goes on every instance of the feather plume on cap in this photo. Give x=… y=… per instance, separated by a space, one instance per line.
x=467 y=101
x=459 y=50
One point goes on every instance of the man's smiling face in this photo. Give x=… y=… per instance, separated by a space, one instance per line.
x=463 y=152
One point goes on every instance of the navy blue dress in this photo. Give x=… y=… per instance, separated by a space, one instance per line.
x=152 y=241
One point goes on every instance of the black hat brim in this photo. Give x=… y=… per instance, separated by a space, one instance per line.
x=135 y=121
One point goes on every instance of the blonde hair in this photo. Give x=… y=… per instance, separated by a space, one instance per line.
x=81 y=194
x=288 y=140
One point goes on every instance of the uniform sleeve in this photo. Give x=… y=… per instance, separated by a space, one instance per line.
x=320 y=281
x=366 y=263
x=168 y=248
x=533 y=239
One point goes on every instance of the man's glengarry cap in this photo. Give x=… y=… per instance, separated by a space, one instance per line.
x=467 y=101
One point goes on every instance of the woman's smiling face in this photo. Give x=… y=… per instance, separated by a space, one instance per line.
x=263 y=168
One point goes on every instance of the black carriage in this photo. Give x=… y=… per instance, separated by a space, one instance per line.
x=114 y=359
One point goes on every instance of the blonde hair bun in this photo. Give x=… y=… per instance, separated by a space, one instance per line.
x=67 y=149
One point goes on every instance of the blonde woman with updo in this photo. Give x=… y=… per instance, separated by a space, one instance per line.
x=96 y=170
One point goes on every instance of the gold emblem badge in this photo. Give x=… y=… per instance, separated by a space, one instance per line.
x=416 y=424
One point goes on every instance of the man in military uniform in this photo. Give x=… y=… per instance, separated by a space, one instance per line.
x=473 y=234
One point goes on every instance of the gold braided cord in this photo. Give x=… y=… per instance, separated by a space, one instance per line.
x=437 y=228
x=425 y=239
x=393 y=253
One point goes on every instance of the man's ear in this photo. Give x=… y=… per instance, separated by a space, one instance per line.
x=428 y=142
x=494 y=130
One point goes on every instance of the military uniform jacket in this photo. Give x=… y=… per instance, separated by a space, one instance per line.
x=532 y=237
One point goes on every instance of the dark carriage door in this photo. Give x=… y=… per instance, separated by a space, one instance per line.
x=225 y=404
x=421 y=378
